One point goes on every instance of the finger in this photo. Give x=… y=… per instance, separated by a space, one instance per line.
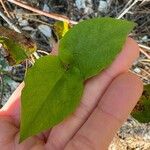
x=12 y=107
x=93 y=90
x=113 y=109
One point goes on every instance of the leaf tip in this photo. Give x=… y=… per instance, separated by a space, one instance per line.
x=22 y=138
x=23 y=135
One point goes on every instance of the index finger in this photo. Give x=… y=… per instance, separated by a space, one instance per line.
x=112 y=110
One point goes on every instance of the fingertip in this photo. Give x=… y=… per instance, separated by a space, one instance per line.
x=126 y=57
x=132 y=45
x=135 y=81
x=125 y=90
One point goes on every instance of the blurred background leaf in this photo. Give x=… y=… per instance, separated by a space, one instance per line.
x=142 y=110
x=18 y=46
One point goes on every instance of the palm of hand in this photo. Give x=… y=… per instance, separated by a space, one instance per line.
x=107 y=100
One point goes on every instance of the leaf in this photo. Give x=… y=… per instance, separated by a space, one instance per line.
x=54 y=85
x=61 y=28
x=51 y=93
x=142 y=110
x=19 y=46
x=93 y=44
x=16 y=53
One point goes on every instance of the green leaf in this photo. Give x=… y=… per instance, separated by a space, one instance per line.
x=93 y=44
x=61 y=28
x=16 y=53
x=19 y=46
x=54 y=85
x=51 y=93
x=142 y=110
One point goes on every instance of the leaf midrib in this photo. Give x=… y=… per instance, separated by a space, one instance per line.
x=46 y=97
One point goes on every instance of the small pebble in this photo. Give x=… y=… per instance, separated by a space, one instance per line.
x=23 y=23
x=80 y=4
x=28 y=28
x=145 y=38
x=46 y=30
x=46 y=8
x=103 y=6
x=19 y=13
x=137 y=70
x=86 y=5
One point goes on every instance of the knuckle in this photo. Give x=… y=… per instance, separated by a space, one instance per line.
x=82 y=142
x=109 y=115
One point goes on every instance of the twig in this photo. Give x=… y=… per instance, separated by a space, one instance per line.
x=144 y=60
x=145 y=47
x=139 y=75
x=36 y=20
x=143 y=52
x=127 y=9
x=5 y=9
x=50 y=15
x=146 y=72
x=144 y=2
x=35 y=54
x=9 y=22
x=32 y=60
x=25 y=14
x=40 y=51
x=32 y=63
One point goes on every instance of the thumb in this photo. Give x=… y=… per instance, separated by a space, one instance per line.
x=12 y=107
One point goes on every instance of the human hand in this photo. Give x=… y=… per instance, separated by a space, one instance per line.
x=107 y=100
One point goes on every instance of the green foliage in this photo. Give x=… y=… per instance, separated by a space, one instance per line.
x=54 y=85
x=51 y=93
x=93 y=44
x=16 y=53
x=142 y=110
x=61 y=28
x=18 y=46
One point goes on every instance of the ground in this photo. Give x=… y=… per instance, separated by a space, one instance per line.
x=132 y=135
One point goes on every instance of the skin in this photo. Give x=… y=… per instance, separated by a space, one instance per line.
x=106 y=103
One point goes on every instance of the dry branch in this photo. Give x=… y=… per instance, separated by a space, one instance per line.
x=50 y=15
